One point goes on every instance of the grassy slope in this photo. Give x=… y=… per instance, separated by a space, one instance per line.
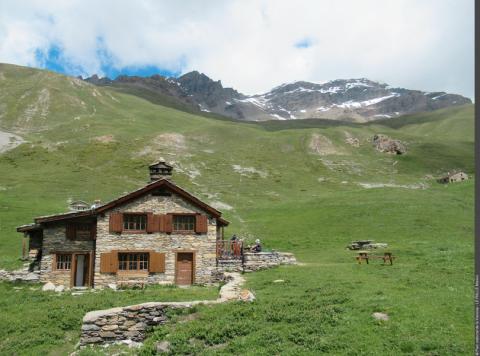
x=325 y=305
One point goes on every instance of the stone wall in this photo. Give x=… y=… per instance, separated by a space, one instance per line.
x=54 y=240
x=126 y=323
x=203 y=245
x=254 y=261
x=21 y=275
x=260 y=260
x=132 y=323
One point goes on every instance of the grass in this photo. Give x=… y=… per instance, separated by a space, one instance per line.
x=39 y=323
x=309 y=204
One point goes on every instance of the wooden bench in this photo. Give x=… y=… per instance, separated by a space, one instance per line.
x=363 y=255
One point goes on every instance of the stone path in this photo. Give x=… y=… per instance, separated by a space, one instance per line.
x=129 y=324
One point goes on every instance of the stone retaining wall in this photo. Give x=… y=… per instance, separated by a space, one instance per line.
x=21 y=275
x=254 y=261
x=126 y=324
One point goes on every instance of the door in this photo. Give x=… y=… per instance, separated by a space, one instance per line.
x=82 y=275
x=184 y=268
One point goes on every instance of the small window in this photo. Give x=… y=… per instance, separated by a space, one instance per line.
x=83 y=231
x=135 y=222
x=133 y=261
x=183 y=223
x=161 y=193
x=64 y=262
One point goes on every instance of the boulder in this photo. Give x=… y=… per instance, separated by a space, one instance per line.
x=246 y=296
x=59 y=289
x=380 y=316
x=385 y=144
x=162 y=347
x=49 y=286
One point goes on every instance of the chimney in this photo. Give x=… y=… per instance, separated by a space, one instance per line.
x=160 y=170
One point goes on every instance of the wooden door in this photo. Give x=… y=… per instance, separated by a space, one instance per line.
x=184 y=268
x=81 y=270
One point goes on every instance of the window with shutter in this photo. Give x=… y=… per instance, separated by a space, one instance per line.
x=134 y=222
x=157 y=262
x=109 y=262
x=168 y=223
x=184 y=223
x=201 y=226
x=116 y=222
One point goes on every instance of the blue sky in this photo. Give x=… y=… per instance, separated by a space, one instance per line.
x=54 y=59
x=251 y=45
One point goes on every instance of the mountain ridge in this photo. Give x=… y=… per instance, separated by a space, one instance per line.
x=354 y=100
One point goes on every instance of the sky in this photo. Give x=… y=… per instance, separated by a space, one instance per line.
x=250 y=45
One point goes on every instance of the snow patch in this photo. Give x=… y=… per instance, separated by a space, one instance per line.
x=438 y=96
x=356 y=85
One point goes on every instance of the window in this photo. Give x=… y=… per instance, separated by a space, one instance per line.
x=64 y=262
x=135 y=222
x=161 y=193
x=83 y=231
x=133 y=261
x=183 y=223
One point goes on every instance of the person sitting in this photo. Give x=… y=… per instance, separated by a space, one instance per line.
x=257 y=247
x=234 y=244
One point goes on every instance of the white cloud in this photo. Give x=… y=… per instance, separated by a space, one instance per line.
x=250 y=44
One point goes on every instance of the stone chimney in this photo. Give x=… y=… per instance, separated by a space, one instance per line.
x=160 y=170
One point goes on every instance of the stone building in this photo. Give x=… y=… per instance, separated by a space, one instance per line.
x=159 y=233
x=452 y=177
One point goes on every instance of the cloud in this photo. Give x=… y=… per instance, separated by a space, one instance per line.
x=252 y=45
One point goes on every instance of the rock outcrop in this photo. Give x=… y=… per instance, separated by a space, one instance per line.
x=358 y=100
x=385 y=144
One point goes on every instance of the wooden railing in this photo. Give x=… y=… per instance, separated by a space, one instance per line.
x=229 y=250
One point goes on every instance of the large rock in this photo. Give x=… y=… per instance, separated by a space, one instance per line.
x=49 y=286
x=384 y=143
x=162 y=347
x=380 y=316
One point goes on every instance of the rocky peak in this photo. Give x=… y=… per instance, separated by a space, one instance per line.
x=358 y=99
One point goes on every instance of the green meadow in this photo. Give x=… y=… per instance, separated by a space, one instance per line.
x=296 y=185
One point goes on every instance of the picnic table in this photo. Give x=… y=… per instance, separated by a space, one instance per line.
x=366 y=256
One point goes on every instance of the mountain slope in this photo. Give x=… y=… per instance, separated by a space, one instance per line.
x=356 y=100
x=298 y=185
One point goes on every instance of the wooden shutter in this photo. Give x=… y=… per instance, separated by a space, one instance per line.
x=201 y=224
x=157 y=262
x=109 y=262
x=168 y=223
x=159 y=221
x=151 y=223
x=93 y=230
x=116 y=222
x=70 y=231
x=54 y=261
